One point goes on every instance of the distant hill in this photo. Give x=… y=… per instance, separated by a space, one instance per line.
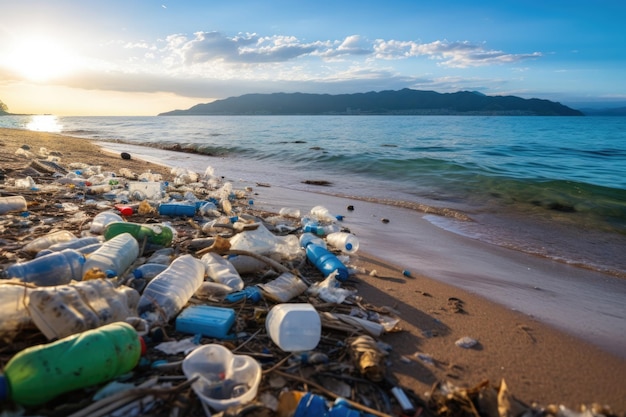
x=402 y=102
x=617 y=111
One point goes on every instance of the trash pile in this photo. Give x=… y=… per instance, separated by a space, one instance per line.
x=127 y=294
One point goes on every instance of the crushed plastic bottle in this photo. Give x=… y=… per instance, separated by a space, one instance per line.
x=12 y=203
x=56 y=268
x=221 y=270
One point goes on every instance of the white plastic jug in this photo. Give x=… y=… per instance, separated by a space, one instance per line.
x=294 y=327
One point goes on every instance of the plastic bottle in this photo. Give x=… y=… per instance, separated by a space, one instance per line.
x=40 y=373
x=177 y=209
x=149 y=270
x=64 y=310
x=250 y=294
x=311 y=226
x=324 y=261
x=158 y=234
x=14 y=315
x=101 y=220
x=345 y=242
x=289 y=212
x=12 y=203
x=322 y=213
x=44 y=242
x=221 y=270
x=294 y=327
x=169 y=291
x=114 y=256
x=56 y=268
x=76 y=244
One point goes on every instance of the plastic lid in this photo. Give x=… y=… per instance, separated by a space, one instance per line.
x=4 y=388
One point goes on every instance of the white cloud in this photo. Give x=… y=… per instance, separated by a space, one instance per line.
x=451 y=54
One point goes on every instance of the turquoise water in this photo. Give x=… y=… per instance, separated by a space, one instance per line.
x=551 y=186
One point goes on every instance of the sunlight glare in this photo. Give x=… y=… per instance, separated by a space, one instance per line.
x=44 y=123
x=40 y=59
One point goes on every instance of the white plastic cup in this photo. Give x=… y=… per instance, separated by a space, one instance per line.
x=294 y=327
x=345 y=242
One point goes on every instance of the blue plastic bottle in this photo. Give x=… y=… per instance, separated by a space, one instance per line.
x=325 y=261
x=56 y=268
x=177 y=209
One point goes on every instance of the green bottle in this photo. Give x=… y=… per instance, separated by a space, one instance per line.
x=40 y=373
x=157 y=234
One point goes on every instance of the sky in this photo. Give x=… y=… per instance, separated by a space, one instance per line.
x=142 y=57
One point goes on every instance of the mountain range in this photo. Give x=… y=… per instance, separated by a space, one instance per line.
x=401 y=102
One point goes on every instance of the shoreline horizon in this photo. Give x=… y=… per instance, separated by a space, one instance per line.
x=436 y=246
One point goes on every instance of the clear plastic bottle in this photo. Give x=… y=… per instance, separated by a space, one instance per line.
x=289 y=212
x=101 y=220
x=322 y=213
x=114 y=256
x=312 y=226
x=56 y=268
x=148 y=271
x=80 y=360
x=12 y=203
x=169 y=291
x=76 y=244
x=325 y=261
x=221 y=270
x=345 y=242
x=44 y=242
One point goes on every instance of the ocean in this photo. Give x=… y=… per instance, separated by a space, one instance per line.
x=529 y=212
x=553 y=187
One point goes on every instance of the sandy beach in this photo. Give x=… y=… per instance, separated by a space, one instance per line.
x=540 y=361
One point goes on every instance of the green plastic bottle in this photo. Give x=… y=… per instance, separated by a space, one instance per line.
x=40 y=373
x=158 y=234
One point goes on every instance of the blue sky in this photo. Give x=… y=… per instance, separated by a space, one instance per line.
x=140 y=57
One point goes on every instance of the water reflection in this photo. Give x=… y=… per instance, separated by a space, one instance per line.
x=44 y=123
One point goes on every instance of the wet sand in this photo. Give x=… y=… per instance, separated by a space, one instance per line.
x=514 y=305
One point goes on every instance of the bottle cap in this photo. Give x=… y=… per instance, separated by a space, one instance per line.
x=348 y=246
x=4 y=388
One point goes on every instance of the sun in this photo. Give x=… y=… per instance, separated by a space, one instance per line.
x=40 y=59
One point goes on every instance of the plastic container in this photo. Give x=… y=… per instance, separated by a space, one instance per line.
x=40 y=373
x=157 y=234
x=44 y=242
x=114 y=257
x=224 y=380
x=221 y=270
x=56 y=268
x=206 y=320
x=177 y=209
x=68 y=309
x=101 y=220
x=169 y=291
x=345 y=242
x=294 y=327
x=325 y=261
x=12 y=203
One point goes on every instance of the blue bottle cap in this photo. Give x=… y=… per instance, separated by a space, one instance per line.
x=110 y=273
x=348 y=246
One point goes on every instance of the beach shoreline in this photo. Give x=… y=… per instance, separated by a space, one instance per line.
x=540 y=363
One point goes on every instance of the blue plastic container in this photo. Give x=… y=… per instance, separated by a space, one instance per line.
x=206 y=320
x=177 y=209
